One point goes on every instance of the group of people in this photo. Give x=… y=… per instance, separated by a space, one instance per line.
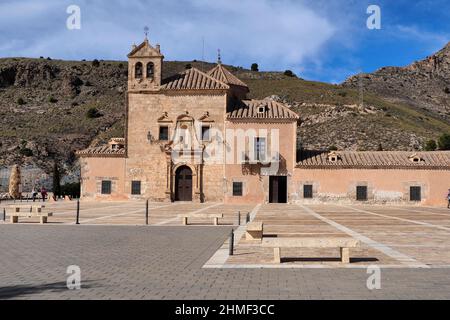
x=34 y=193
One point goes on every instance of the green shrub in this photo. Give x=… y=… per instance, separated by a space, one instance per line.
x=444 y=142
x=254 y=67
x=26 y=152
x=447 y=90
x=289 y=73
x=95 y=63
x=430 y=145
x=21 y=102
x=93 y=113
x=332 y=148
x=52 y=99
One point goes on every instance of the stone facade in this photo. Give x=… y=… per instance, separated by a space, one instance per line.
x=196 y=137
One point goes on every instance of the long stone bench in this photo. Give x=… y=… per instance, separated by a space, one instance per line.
x=344 y=244
x=28 y=211
x=254 y=231
x=214 y=216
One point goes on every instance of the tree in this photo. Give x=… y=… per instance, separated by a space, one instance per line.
x=254 y=67
x=444 y=142
x=430 y=145
x=56 y=181
x=14 y=182
x=21 y=101
x=332 y=148
x=95 y=63
x=380 y=147
x=93 y=113
x=289 y=73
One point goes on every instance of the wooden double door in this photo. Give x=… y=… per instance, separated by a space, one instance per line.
x=278 y=189
x=183 y=184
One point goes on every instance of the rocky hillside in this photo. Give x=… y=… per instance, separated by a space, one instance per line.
x=44 y=107
x=423 y=85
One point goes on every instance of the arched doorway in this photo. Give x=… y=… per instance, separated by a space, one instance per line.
x=183 y=184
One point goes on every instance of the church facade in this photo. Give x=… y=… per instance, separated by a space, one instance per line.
x=196 y=137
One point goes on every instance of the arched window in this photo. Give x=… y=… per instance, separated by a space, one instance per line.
x=150 y=70
x=138 y=70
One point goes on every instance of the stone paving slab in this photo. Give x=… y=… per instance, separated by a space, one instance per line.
x=129 y=262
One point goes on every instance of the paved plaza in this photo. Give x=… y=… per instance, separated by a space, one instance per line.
x=121 y=258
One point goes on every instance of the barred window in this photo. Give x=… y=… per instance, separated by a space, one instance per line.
x=415 y=193
x=135 y=187
x=163 y=133
x=237 y=189
x=307 y=191
x=106 y=187
x=361 y=193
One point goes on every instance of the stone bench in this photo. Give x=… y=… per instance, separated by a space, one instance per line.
x=344 y=244
x=254 y=231
x=214 y=216
x=43 y=216
x=27 y=208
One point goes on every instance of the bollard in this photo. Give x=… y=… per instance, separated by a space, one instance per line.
x=231 y=243
x=146 y=212
x=4 y=214
x=78 y=212
x=239 y=218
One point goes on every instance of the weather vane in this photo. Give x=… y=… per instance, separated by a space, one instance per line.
x=219 y=59
x=146 y=29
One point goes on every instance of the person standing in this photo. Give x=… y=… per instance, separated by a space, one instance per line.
x=33 y=194
x=43 y=193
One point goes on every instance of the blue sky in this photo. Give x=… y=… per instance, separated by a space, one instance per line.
x=317 y=39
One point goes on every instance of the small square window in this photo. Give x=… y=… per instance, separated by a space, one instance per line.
x=307 y=191
x=237 y=189
x=361 y=193
x=135 y=187
x=415 y=193
x=205 y=133
x=163 y=133
x=106 y=187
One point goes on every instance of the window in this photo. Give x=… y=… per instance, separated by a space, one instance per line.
x=261 y=109
x=150 y=70
x=163 y=133
x=135 y=187
x=260 y=149
x=205 y=133
x=106 y=187
x=237 y=189
x=415 y=194
x=138 y=70
x=307 y=191
x=361 y=193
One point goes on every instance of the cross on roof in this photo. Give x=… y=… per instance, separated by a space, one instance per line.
x=219 y=60
x=146 y=30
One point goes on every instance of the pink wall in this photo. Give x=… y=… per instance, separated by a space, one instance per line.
x=390 y=186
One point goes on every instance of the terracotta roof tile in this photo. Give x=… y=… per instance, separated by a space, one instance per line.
x=250 y=109
x=375 y=159
x=101 y=151
x=193 y=79
x=220 y=73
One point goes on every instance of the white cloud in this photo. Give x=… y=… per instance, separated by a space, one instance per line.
x=276 y=34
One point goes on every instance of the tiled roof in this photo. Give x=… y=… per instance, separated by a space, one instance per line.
x=101 y=151
x=193 y=79
x=375 y=159
x=220 y=73
x=250 y=109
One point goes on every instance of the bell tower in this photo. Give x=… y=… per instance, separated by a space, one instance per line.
x=145 y=67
